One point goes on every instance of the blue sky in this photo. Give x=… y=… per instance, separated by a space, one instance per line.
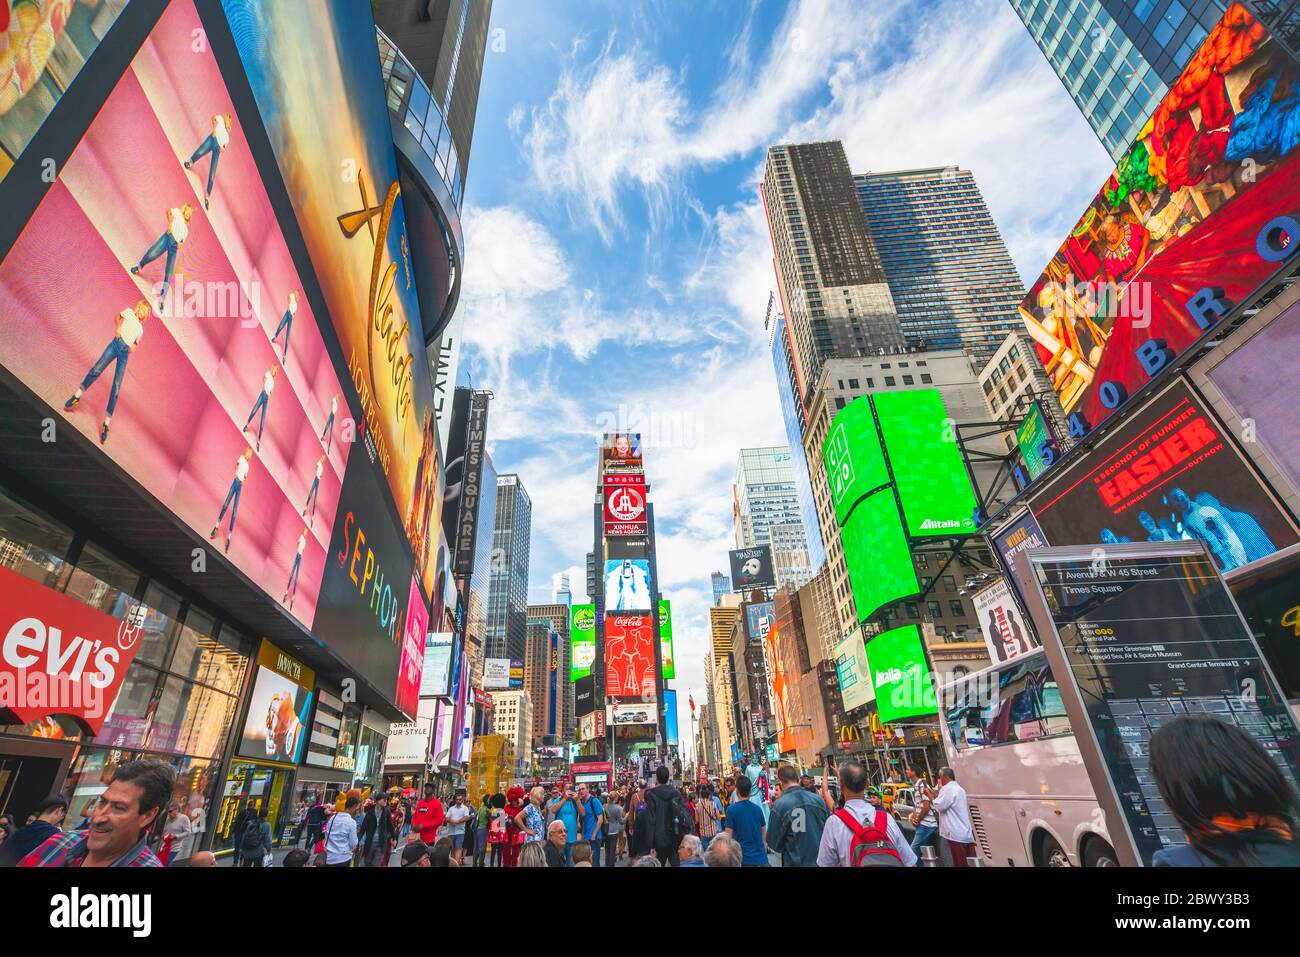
x=618 y=264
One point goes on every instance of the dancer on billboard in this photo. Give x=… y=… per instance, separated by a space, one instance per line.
x=130 y=328
x=313 y=495
x=291 y=587
x=329 y=425
x=214 y=143
x=170 y=242
x=1212 y=525
x=263 y=398
x=232 y=497
x=287 y=325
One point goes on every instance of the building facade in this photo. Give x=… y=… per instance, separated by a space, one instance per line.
x=512 y=718
x=952 y=279
x=557 y=613
x=507 y=617
x=765 y=511
x=721 y=586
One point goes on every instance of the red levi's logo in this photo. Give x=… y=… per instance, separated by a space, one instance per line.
x=58 y=656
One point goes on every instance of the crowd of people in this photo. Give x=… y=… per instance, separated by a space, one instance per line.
x=1233 y=803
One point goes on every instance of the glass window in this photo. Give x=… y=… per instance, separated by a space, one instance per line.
x=88 y=778
x=1025 y=705
x=419 y=104
x=160 y=625
x=926 y=378
x=933 y=609
x=908 y=380
x=913 y=610
x=127 y=725
x=889 y=380
x=949 y=583
x=957 y=608
x=32 y=545
x=200 y=657
x=102 y=582
x=1169 y=23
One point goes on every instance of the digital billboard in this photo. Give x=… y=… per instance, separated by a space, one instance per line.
x=496 y=674
x=620 y=452
x=669 y=669
x=752 y=568
x=275 y=728
x=627 y=584
x=929 y=472
x=435 y=679
x=670 y=718
x=1197 y=216
x=1021 y=534
x=43 y=46
x=853 y=672
x=1038 y=446
x=760 y=618
x=880 y=566
x=625 y=505
x=1168 y=473
x=629 y=656
x=900 y=675
x=855 y=462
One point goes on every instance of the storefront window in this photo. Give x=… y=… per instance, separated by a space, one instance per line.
x=217 y=662
x=31 y=544
x=252 y=787
x=160 y=625
x=102 y=582
x=89 y=778
x=370 y=758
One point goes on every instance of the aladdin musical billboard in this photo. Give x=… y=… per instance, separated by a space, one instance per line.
x=1200 y=212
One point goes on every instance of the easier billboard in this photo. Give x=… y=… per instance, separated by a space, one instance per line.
x=900 y=675
x=1198 y=214
x=1168 y=473
x=752 y=568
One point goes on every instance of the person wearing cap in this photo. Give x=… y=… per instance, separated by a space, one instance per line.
x=416 y=854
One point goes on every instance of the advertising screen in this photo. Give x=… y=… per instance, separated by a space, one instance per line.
x=627 y=584
x=625 y=505
x=670 y=718
x=1168 y=473
x=760 y=618
x=854 y=673
x=276 y=728
x=899 y=674
x=621 y=452
x=855 y=462
x=1020 y=535
x=435 y=679
x=880 y=567
x=413 y=639
x=1038 y=447
x=752 y=568
x=629 y=656
x=584 y=695
x=496 y=673
x=582 y=640
x=1194 y=219
x=44 y=47
x=666 y=639
x=516 y=673
x=1006 y=632
x=408 y=743
x=933 y=485
x=622 y=713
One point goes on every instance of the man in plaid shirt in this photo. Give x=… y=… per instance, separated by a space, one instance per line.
x=117 y=835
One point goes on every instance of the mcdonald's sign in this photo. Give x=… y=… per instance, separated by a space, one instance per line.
x=849 y=733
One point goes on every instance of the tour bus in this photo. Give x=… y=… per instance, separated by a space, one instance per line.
x=1009 y=740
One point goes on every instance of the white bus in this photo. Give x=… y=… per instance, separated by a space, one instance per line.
x=1009 y=741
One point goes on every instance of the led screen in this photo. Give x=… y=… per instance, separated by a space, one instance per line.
x=875 y=552
x=629 y=656
x=582 y=640
x=855 y=464
x=627 y=585
x=900 y=675
x=929 y=472
x=1038 y=448
x=666 y=639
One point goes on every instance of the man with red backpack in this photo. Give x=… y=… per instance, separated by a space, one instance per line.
x=859 y=835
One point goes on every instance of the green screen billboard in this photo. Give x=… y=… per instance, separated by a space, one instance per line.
x=900 y=675
x=666 y=638
x=929 y=473
x=582 y=640
x=855 y=464
x=1037 y=446
x=875 y=551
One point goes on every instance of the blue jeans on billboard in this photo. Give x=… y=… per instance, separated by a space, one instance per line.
x=163 y=244
x=311 y=497
x=116 y=351
x=209 y=145
x=231 y=502
x=924 y=835
x=259 y=404
x=292 y=587
x=287 y=325
x=328 y=431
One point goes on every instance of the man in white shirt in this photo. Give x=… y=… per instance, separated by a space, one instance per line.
x=178 y=220
x=263 y=398
x=954 y=818
x=286 y=324
x=232 y=497
x=341 y=835
x=214 y=143
x=130 y=329
x=313 y=493
x=837 y=836
x=329 y=425
x=291 y=589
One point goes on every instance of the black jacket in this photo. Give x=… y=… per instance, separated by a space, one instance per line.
x=554 y=856
x=25 y=840
x=671 y=818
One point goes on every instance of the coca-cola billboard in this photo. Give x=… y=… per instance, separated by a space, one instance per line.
x=58 y=656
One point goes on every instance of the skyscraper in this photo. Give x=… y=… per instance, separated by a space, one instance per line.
x=557 y=614
x=952 y=279
x=766 y=511
x=721 y=586
x=508 y=594
x=1118 y=58
x=834 y=296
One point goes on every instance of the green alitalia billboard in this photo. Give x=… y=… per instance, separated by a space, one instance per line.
x=582 y=640
x=666 y=638
x=929 y=472
x=855 y=464
x=876 y=554
x=900 y=675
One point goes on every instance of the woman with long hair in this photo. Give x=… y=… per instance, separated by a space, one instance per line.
x=1227 y=794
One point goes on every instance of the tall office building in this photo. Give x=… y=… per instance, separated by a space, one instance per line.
x=557 y=613
x=1118 y=58
x=952 y=279
x=722 y=690
x=508 y=592
x=765 y=511
x=721 y=586
x=834 y=296
x=480 y=583
x=546 y=678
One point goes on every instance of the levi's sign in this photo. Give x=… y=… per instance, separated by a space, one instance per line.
x=58 y=656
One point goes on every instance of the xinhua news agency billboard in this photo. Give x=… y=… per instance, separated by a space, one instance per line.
x=1200 y=213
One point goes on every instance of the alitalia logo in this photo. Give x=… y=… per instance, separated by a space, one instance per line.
x=931 y=523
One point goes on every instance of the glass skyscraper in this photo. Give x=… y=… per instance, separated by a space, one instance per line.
x=767 y=511
x=508 y=593
x=952 y=279
x=1118 y=58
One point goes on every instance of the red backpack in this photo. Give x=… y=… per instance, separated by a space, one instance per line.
x=871 y=846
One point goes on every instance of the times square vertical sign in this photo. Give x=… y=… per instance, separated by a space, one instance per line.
x=471 y=485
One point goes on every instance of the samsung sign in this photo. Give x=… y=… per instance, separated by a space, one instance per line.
x=471 y=486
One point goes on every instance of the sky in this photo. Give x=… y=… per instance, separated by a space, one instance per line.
x=618 y=265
